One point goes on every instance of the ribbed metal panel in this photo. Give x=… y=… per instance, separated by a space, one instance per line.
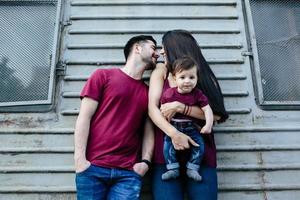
x=43 y=162
x=100 y=29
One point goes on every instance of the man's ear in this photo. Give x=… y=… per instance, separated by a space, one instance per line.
x=137 y=48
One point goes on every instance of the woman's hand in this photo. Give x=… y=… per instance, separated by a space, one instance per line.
x=181 y=141
x=168 y=110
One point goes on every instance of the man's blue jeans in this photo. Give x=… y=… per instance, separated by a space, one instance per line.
x=196 y=152
x=99 y=183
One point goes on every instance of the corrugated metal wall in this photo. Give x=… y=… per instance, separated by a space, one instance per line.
x=257 y=150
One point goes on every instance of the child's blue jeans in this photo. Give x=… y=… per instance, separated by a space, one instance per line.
x=196 y=156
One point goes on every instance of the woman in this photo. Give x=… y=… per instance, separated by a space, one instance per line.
x=178 y=43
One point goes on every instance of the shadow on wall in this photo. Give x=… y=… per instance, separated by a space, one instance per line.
x=10 y=85
x=13 y=89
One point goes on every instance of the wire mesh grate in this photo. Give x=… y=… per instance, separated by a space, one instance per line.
x=27 y=35
x=277 y=30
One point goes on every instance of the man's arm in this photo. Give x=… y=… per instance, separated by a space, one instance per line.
x=87 y=109
x=147 y=149
x=148 y=140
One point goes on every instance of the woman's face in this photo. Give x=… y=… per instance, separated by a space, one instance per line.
x=163 y=53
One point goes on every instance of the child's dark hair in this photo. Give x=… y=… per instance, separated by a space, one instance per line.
x=183 y=63
x=134 y=40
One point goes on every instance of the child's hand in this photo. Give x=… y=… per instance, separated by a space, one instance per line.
x=206 y=129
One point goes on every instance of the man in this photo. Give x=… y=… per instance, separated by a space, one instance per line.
x=108 y=132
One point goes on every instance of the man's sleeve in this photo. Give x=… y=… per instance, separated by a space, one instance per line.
x=94 y=86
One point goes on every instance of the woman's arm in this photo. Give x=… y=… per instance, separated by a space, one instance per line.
x=168 y=110
x=179 y=140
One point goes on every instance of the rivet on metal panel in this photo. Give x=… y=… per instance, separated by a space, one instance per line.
x=247 y=53
x=66 y=23
x=61 y=68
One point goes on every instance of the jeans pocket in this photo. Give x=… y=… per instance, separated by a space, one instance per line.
x=137 y=175
x=84 y=171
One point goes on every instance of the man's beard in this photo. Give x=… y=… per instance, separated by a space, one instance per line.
x=150 y=64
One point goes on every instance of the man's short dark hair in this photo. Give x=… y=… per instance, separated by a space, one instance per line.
x=134 y=40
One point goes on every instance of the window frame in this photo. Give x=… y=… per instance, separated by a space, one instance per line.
x=42 y=105
x=255 y=67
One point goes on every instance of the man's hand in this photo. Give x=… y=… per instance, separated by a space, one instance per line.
x=140 y=168
x=181 y=141
x=81 y=165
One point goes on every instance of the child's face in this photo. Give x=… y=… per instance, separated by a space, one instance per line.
x=186 y=80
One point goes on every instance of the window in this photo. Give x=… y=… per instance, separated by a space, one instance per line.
x=28 y=39
x=274 y=27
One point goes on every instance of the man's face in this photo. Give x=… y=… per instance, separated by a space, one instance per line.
x=186 y=80
x=149 y=54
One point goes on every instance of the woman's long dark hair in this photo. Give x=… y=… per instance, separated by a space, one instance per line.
x=179 y=43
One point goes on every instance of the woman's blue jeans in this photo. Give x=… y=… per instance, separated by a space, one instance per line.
x=176 y=189
x=99 y=183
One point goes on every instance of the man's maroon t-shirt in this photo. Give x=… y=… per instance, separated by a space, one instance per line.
x=117 y=125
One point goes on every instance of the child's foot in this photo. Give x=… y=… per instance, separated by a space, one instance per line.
x=193 y=174
x=170 y=174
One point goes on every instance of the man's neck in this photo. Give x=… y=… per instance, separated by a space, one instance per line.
x=134 y=70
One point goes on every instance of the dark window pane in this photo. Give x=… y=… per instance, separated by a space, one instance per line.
x=277 y=28
x=27 y=34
